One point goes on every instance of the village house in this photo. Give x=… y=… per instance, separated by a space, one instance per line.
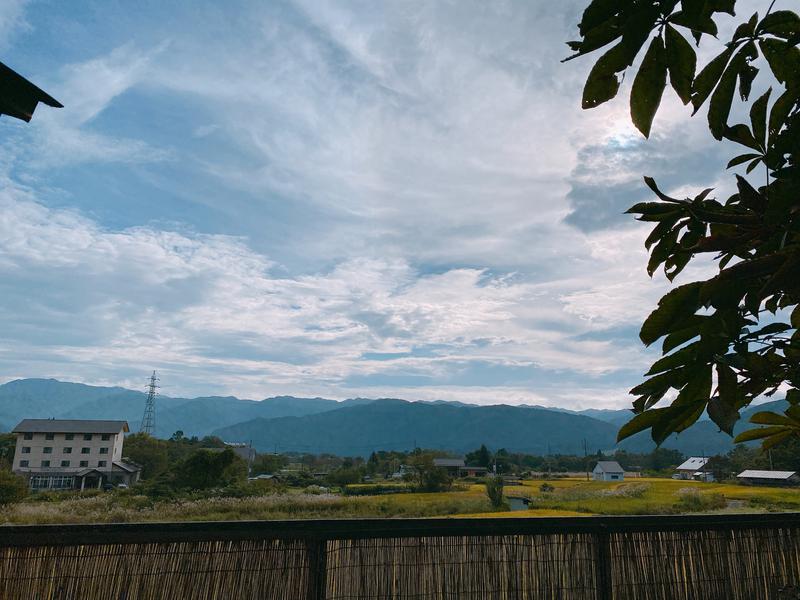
x=72 y=454
x=469 y=471
x=694 y=468
x=778 y=478
x=453 y=466
x=608 y=470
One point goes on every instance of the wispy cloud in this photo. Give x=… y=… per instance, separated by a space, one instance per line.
x=338 y=199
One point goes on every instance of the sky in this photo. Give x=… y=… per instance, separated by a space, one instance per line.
x=337 y=199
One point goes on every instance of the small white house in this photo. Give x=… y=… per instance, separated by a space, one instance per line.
x=693 y=468
x=608 y=470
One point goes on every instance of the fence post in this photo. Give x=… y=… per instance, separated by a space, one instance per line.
x=317 y=568
x=602 y=541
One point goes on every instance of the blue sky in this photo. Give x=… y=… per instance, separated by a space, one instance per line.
x=328 y=198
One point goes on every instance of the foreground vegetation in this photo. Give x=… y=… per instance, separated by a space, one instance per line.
x=557 y=497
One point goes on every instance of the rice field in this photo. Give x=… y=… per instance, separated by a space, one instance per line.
x=559 y=497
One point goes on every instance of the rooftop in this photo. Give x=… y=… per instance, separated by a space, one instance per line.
x=694 y=463
x=609 y=466
x=755 y=474
x=70 y=426
x=448 y=462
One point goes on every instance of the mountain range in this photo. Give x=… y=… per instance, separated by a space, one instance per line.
x=356 y=426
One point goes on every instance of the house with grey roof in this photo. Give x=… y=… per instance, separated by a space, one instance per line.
x=67 y=454
x=777 y=478
x=694 y=467
x=608 y=470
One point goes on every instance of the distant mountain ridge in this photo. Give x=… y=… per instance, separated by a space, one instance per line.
x=50 y=398
x=356 y=426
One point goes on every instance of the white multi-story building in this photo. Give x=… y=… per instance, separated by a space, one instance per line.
x=69 y=454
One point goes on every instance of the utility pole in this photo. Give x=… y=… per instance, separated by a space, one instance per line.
x=586 y=459
x=148 y=424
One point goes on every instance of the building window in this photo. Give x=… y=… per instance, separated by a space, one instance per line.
x=106 y=436
x=47 y=449
x=69 y=436
x=87 y=436
x=84 y=463
x=103 y=450
x=68 y=450
x=64 y=463
x=23 y=463
x=102 y=463
x=85 y=450
x=49 y=436
x=27 y=436
x=26 y=449
x=45 y=463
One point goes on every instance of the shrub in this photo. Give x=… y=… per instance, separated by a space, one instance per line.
x=690 y=500
x=494 y=489
x=13 y=488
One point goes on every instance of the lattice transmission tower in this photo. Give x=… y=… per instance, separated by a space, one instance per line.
x=148 y=424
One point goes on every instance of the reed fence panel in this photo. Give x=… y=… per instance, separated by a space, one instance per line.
x=735 y=557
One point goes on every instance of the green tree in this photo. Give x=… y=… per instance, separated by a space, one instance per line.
x=268 y=463
x=147 y=452
x=206 y=468
x=480 y=458
x=12 y=488
x=8 y=445
x=741 y=325
x=494 y=490
x=427 y=477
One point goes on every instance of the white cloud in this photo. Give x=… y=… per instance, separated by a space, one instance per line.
x=12 y=20
x=414 y=158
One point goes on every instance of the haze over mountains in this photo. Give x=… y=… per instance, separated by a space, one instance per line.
x=351 y=427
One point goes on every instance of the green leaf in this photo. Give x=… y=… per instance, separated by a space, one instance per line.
x=781 y=23
x=765 y=417
x=746 y=77
x=676 y=338
x=753 y=165
x=602 y=84
x=722 y=98
x=795 y=317
x=747 y=29
x=770 y=329
x=723 y=414
x=758 y=433
x=776 y=439
x=758 y=118
x=677 y=419
x=648 y=86
x=784 y=60
x=597 y=13
x=682 y=357
x=707 y=79
x=681 y=63
x=651 y=208
x=742 y=158
x=640 y=422
x=651 y=183
x=674 y=308
x=741 y=133
x=780 y=111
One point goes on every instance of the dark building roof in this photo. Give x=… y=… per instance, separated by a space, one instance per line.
x=125 y=466
x=19 y=97
x=448 y=462
x=70 y=426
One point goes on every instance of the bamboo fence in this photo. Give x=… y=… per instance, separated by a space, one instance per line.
x=725 y=557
